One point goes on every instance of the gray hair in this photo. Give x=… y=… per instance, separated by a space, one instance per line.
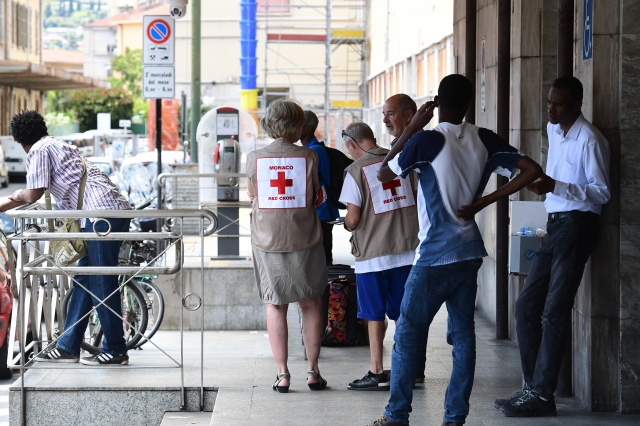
x=284 y=119
x=361 y=132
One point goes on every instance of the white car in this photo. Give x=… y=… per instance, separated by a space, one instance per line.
x=15 y=159
x=106 y=165
x=137 y=175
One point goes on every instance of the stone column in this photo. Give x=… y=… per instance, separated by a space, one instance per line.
x=626 y=169
x=597 y=350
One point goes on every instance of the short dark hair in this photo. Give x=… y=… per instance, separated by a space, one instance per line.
x=454 y=92
x=28 y=127
x=311 y=119
x=572 y=84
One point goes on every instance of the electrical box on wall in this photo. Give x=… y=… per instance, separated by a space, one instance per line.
x=522 y=251
x=528 y=226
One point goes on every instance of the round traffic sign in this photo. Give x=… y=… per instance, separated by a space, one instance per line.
x=158 y=31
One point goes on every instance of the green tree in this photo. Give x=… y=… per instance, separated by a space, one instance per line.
x=87 y=104
x=127 y=72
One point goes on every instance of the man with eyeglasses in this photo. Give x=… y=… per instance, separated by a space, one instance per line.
x=327 y=211
x=383 y=220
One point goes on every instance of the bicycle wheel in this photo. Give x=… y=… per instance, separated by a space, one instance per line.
x=155 y=308
x=134 y=311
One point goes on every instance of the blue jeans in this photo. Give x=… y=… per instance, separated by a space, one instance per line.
x=427 y=288
x=99 y=253
x=547 y=298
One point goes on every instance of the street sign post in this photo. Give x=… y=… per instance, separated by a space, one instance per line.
x=158 y=47
x=158 y=82
x=158 y=40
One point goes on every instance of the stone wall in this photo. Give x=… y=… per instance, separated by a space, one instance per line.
x=606 y=332
x=230 y=298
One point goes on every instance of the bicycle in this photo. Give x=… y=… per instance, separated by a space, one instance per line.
x=142 y=302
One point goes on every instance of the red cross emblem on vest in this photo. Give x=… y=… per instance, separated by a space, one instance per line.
x=281 y=183
x=391 y=185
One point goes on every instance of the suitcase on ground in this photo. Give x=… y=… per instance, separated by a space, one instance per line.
x=343 y=328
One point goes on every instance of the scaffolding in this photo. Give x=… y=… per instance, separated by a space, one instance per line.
x=315 y=51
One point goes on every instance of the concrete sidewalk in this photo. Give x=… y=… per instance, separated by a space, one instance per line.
x=497 y=375
x=240 y=366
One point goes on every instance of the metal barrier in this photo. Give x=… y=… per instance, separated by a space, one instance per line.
x=229 y=180
x=41 y=284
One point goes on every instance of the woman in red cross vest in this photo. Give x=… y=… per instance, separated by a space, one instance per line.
x=286 y=237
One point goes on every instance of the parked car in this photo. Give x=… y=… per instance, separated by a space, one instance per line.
x=15 y=159
x=105 y=164
x=137 y=175
x=4 y=171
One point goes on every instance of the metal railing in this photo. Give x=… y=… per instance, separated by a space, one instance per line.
x=41 y=284
x=236 y=181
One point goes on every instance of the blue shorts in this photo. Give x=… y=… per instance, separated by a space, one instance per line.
x=380 y=293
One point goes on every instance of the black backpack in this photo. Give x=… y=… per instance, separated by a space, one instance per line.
x=338 y=162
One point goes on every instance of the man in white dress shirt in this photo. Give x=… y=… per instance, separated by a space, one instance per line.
x=576 y=185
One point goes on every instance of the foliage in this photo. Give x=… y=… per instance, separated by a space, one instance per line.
x=57 y=119
x=73 y=13
x=88 y=103
x=60 y=101
x=127 y=72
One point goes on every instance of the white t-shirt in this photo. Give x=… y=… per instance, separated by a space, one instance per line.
x=351 y=195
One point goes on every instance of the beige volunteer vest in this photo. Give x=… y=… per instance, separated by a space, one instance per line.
x=388 y=214
x=283 y=216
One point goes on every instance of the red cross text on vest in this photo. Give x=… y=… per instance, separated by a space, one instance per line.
x=392 y=185
x=281 y=183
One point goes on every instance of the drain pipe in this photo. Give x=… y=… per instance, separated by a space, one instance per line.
x=565 y=68
x=470 y=54
x=502 y=206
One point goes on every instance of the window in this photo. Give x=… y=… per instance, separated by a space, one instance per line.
x=22 y=26
x=420 y=77
x=274 y=6
x=432 y=78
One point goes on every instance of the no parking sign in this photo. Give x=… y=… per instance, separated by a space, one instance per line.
x=159 y=40
x=158 y=74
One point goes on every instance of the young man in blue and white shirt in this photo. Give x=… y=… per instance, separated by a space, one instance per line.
x=454 y=162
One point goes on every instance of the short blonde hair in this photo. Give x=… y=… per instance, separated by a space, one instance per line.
x=284 y=119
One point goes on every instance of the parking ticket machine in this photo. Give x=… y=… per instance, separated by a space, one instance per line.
x=226 y=159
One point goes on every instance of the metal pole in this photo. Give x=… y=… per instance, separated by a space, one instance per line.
x=183 y=125
x=327 y=75
x=470 y=54
x=159 y=151
x=502 y=206
x=195 y=77
x=565 y=68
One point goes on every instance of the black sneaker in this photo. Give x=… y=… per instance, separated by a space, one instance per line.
x=529 y=405
x=499 y=403
x=103 y=358
x=371 y=382
x=383 y=421
x=56 y=355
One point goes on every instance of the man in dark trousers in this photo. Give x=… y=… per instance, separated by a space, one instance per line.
x=576 y=187
x=327 y=211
